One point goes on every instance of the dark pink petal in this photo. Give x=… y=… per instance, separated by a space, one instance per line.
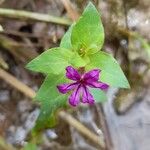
x=92 y=75
x=72 y=73
x=87 y=96
x=98 y=84
x=74 y=98
x=64 y=88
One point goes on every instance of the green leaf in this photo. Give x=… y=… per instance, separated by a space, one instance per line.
x=50 y=100
x=77 y=60
x=99 y=95
x=30 y=146
x=66 y=40
x=92 y=49
x=88 y=32
x=111 y=73
x=54 y=61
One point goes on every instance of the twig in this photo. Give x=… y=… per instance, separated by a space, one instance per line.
x=17 y=84
x=81 y=128
x=26 y=35
x=126 y=32
x=73 y=14
x=25 y=15
x=21 y=34
x=1 y=2
x=66 y=117
x=125 y=13
x=105 y=130
x=5 y=146
x=15 y=49
x=3 y=63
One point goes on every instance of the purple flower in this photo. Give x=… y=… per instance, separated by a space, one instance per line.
x=80 y=85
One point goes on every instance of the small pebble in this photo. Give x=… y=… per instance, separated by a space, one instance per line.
x=4 y=95
x=51 y=134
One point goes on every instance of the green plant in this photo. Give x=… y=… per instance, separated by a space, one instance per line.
x=80 y=48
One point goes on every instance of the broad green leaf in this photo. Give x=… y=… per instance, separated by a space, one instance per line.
x=86 y=59
x=77 y=60
x=66 y=40
x=50 y=100
x=111 y=73
x=92 y=49
x=54 y=61
x=99 y=95
x=88 y=32
x=47 y=117
x=30 y=146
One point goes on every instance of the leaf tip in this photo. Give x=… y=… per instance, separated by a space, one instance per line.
x=90 y=7
x=29 y=66
x=128 y=85
x=90 y=4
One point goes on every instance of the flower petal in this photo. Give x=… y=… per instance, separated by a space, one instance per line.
x=64 y=88
x=98 y=84
x=74 y=98
x=92 y=75
x=87 y=96
x=72 y=73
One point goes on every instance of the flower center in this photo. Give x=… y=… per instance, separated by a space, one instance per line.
x=82 y=81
